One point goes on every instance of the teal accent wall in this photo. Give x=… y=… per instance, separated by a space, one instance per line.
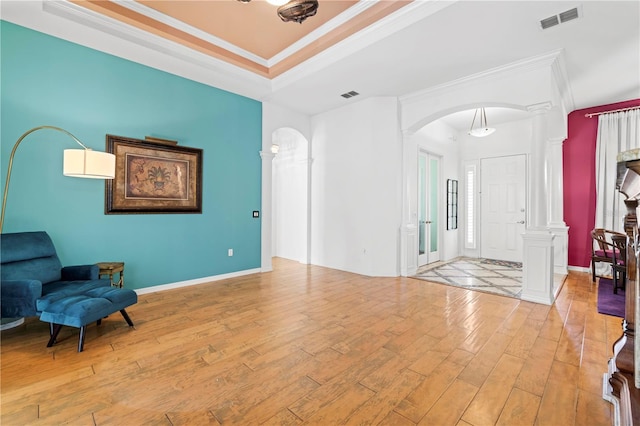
x=48 y=81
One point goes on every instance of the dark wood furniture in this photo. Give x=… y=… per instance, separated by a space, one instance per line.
x=623 y=374
x=619 y=264
x=111 y=268
x=602 y=248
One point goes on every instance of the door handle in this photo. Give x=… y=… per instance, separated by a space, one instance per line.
x=521 y=222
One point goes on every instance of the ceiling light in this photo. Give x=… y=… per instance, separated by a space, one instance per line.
x=483 y=129
x=293 y=10
x=298 y=10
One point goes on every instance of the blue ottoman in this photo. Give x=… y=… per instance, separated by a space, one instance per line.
x=92 y=305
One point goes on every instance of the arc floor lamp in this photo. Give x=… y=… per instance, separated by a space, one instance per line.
x=84 y=163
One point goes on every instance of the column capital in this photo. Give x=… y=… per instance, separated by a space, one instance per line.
x=406 y=133
x=556 y=141
x=539 y=108
x=267 y=155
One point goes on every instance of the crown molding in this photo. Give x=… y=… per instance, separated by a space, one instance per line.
x=560 y=76
x=172 y=22
x=545 y=60
x=414 y=12
x=322 y=30
x=326 y=28
x=85 y=27
x=539 y=108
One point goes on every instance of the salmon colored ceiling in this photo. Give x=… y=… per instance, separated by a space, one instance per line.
x=257 y=38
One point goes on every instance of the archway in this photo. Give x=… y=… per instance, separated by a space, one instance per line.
x=290 y=195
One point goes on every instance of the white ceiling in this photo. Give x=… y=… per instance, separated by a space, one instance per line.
x=420 y=46
x=601 y=51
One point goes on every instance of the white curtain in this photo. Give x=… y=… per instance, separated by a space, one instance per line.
x=617 y=132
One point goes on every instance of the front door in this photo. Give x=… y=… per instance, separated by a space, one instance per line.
x=428 y=208
x=503 y=207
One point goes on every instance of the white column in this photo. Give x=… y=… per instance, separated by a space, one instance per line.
x=538 y=257
x=267 y=201
x=557 y=225
x=409 y=228
x=538 y=173
x=307 y=248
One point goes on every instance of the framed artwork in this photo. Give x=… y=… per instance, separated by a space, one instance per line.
x=153 y=176
x=452 y=204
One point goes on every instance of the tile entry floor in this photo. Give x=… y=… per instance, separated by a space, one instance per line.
x=493 y=276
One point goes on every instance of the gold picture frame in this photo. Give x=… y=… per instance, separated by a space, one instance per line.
x=153 y=177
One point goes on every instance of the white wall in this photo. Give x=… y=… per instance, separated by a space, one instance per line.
x=290 y=196
x=442 y=140
x=275 y=117
x=355 y=188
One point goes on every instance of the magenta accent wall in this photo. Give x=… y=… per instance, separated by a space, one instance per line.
x=579 y=162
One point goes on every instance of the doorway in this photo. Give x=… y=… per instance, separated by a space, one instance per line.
x=428 y=208
x=290 y=196
x=503 y=207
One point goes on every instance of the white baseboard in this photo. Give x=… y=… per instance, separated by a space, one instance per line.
x=580 y=268
x=196 y=281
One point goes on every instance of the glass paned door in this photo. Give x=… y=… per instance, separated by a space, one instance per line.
x=428 y=208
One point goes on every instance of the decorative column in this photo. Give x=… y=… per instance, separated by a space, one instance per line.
x=307 y=247
x=537 y=267
x=557 y=225
x=266 y=264
x=409 y=228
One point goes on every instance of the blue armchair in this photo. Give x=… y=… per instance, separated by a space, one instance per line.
x=32 y=277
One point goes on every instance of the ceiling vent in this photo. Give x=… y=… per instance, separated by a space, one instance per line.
x=560 y=18
x=569 y=15
x=350 y=94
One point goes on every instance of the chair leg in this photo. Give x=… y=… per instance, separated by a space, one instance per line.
x=593 y=271
x=81 y=339
x=54 y=329
x=126 y=317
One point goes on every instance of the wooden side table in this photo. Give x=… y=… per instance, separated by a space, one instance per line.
x=110 y=268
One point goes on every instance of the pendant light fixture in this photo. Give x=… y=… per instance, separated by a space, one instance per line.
x=293 y=10
x=298 y=10
x=483 y=128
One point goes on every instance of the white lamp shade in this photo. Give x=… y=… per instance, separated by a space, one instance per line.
x=481 y=132
x=86 y=163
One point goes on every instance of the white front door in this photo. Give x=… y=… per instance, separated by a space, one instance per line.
x=428 y=208
x=503 y=207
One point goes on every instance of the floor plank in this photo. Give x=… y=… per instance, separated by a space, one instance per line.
x=310 y=345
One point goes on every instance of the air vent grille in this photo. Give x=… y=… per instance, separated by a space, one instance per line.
x=549 y=22
x=350 y=94
x=561 y=18
x=569 y=15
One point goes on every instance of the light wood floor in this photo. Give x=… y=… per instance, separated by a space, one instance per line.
x=310 y=345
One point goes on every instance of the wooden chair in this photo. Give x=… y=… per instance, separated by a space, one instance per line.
x=619 y=265
x=602 y=248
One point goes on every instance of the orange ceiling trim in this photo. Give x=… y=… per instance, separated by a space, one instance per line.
x=368 y=17
x=358 y=23
x=148 y=24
